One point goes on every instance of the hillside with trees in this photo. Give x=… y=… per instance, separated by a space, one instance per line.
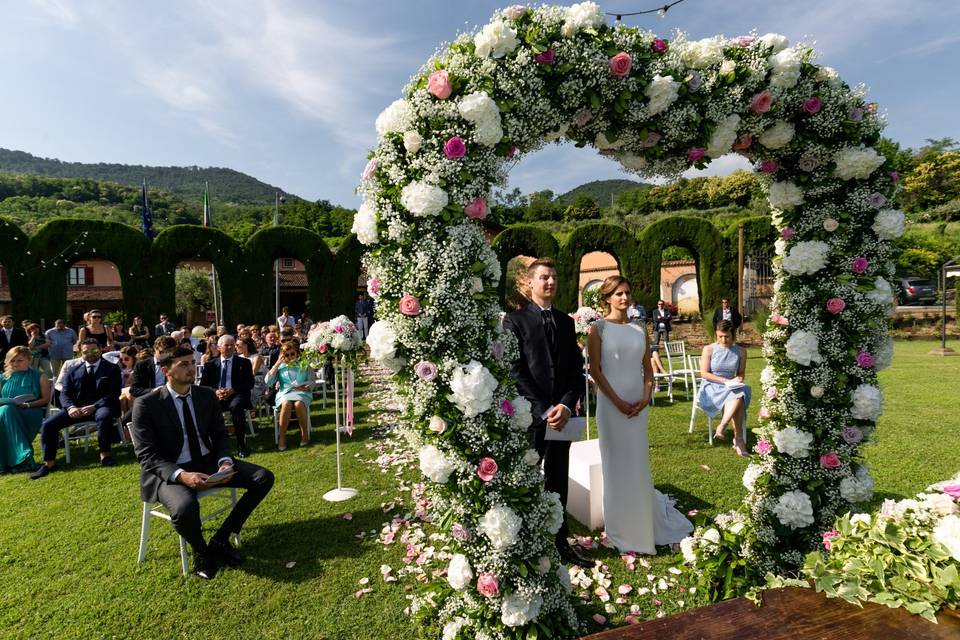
x=600 y=191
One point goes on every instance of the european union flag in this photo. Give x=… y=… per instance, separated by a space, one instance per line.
x=146 y=220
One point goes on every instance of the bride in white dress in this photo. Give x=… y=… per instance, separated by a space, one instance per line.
x=636 y=516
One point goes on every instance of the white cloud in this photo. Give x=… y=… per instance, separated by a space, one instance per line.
x=722 y=166
x=59 y=10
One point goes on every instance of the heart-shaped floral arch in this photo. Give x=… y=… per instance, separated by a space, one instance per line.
x=535 y=76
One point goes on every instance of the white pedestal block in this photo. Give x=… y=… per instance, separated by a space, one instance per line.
x=585 y=488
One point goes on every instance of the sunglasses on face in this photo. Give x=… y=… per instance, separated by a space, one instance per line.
x=96 y=316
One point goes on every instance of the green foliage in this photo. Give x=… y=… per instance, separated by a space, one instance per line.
x=591 y=298
x=933 y=182
x=720 y=570
x=516 y=284
x=194 y=290
x=542 y=208
x=583 y=208
x=602 y=192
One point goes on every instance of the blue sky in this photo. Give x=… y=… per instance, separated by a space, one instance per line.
x=288 y=90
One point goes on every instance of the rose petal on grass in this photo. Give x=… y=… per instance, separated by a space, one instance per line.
x=348 y=516
x=291 y=564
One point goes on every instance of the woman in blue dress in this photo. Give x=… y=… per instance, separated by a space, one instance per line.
x=722 y=366
x=20 y=423
x=294 y=392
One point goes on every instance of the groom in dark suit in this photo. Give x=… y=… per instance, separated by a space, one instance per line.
x=232 y=377
x=180 y=440
x=549 y=374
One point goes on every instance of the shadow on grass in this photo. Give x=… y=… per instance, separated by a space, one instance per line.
x=270 y=548
x=685 y=499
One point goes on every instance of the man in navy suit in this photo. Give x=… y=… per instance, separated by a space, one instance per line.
x=91 y=393
x=232 y=377
x=10 y=336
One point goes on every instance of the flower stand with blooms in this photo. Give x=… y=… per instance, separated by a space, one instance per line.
x=537 y=75
x=339 y=342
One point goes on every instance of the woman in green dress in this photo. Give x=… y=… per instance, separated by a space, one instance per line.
x=20 y=423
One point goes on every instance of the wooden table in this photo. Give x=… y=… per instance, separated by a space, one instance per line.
x=791 y=614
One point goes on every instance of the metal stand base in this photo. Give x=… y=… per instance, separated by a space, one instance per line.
x=942 y=351
x=339 y=495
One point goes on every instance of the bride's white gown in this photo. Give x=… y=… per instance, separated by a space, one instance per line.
x=636 y=516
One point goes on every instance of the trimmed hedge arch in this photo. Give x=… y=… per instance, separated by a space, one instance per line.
x=13 y=249
x=522 y=240
x=599 y=236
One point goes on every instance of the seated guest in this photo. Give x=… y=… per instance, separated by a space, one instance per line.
x=61 y=340
x=139 y=333
x=232 y=377
x=270 y=349
x=121 y=338
x=246 y=349
x=91 y=392
x=19 y=423
x=722 y=366
x=128 y=360
x=39 y=349
x=96 y=330
x=294 y=392
x=164 y=327
x=146 y=372
x=180 y=440
x=655 y=360
x=10 y=336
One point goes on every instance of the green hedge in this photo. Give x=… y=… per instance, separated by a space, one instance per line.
x=522 y=240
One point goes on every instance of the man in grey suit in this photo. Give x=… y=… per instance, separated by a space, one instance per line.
x=180 y=441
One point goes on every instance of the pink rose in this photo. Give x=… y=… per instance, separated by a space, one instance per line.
x=547 y=57
x=763 y=447
x=515 y=11
x=487 y=585
x=864 y=359
x=836 y=305
x=761 y=102
x=373 y=286
x=772 y=393
x=743 y=142
x=454 y=148
x=476 y=209
x=370 y=169
x=322 y=348
x=338 y=329
x=507 y=407
x=409 y=305
x=776 y=318
x=439 y=84
x=651 y=140
x=859 y=265
x=487 y=469
x=620 y=65
x=437 y=424
x=788 y=233
x=812 y=105
x=828 y=537
x=460 y=532
x=769 y=166
x=511 y=152
x=744 y=42
x=952 y=490
x=425 y=370
x=764 y=412
x=830 y=461
x=582 y=117
x=659 y=45
x=696 y=153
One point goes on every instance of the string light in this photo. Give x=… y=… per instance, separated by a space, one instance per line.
x=660 y=11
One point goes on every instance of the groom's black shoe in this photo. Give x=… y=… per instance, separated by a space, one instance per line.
x=225 y=552
x=570 y=556
x=205 y=565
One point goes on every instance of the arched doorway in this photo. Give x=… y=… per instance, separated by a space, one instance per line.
x=196 y=294
x=595 y=267
x=93 y=283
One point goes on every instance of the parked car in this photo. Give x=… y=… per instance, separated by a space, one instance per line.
x=917 y=291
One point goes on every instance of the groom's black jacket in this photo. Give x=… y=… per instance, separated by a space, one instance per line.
x=540 y=380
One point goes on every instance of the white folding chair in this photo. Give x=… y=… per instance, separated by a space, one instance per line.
x=321 y=382
x=276 y=424
x=228 y=419
x=693 y=362
x=667 y=377
x=678 y=349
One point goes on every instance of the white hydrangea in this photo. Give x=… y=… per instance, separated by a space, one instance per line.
x=472 y=386
x=489 y=132
x=662 y=92
x=365 y=224
x=794 y=510
x=397 y=117
x=688 y=546
x=723 y=136
x=501 y=526
x=478 y=106
x=422 y=199
x=768 y=376
x=750 y=475
x=459 y=572
x=775 y=41
x=435 y=464
x=785 y=69
x=531 y=457
x=522 y=413
x=452 y=628
x=856 y=162
x=889 y=224
x=883 y=358
x=947 y=533
x=554 y=511
x=585 y=15
x=792 y=442
x=778 y=136
x=496 y=40
x=382 y=340
x=700 y=54
x=857 y=488
x=882 y=292
x=785 y=195
x=806 y=258
x=867 y=403
x=632 y=161
x=517 y=610
x=803 y=348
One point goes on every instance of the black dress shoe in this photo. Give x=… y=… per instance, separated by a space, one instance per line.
x=242 y=451
x=570 y=556
x=205 y=565
x=108 y=462
x=44 y=470
x=225 y=553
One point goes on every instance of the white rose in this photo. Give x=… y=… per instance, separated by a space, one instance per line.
x=365 y=224
x=768 y=377
x=785 y=195
x=854 y=162
x=830 y=225
x=803 y=348
x=662 y=92
x=543 y=565
x=750 y=475
x=806 y=258
x=434 y=464
x=816 y=392
x=828 y=75
x=779 y=246
x=728 y=66
x=517 y=611
x=515 y=11
x=396 y=117
x=723 y=136
x=711 y=535
x=522 y=413
x=947 y=533
x=554 y=511
x=531 y=457
x=422 y=199
x=585 y=15
x=472 y=386
x=689 y=548
x=785 y=69
x=452 y=628
x=703 y=53
x=794 y=509
x=412 y=141
x=495 y=40
x=459 y=573
x=793 y=442
x=778 y=136
x=867 y=403
x=882 y=292
x=501 y=526
x=889 y=223
x=775 y=41
x=437 y=424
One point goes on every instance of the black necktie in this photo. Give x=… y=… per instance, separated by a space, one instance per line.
x=193 y=438
x=88 y=386
x=549 y=329
x=223 y=373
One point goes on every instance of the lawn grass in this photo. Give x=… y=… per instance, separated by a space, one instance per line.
x=68 y=542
